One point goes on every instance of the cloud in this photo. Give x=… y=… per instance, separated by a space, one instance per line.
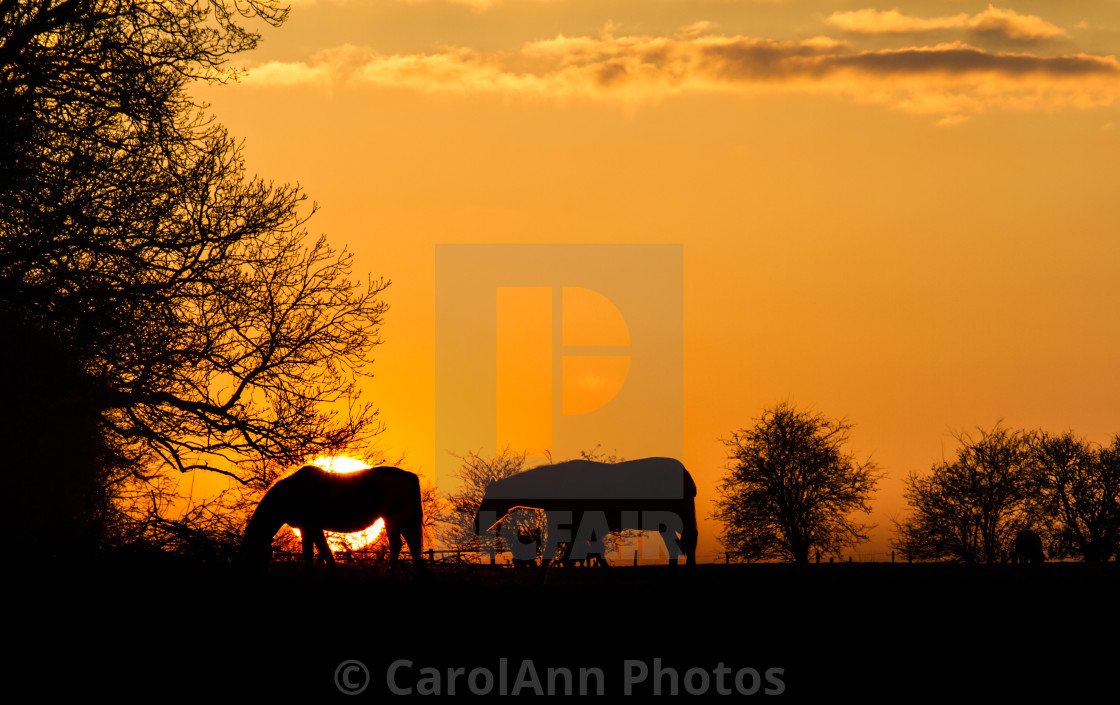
x=323 y=70
x=280 y=73
x=891 y=22
x=1011 y=25
x=993 y=22
x=951 y=81
x=961 y=59
x=459 y=71
x=475 y=5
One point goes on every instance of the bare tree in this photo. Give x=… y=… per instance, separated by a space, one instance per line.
x=1078 y=487
x=791 y=487
x=214 y=331
x=55 y=463
x=972 y=507
x=475 y=474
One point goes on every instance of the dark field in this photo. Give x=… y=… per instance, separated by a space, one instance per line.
x=153 y=631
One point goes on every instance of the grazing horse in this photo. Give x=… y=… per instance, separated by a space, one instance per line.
x=314 y=500
x=1028 y=547
x=584 y=500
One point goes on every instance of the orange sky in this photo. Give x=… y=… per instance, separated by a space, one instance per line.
x=903 y=215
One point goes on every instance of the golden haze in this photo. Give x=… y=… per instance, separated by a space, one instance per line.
x=911 y=229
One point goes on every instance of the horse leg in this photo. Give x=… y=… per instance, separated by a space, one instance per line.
x=601 y=559
x=325 y=551
x=546 y=563
x=542 y=572
x=413 y=536
x=395 y=544
x=689 y=541
x=308 y=554
x=565 y=553
x=673 y=547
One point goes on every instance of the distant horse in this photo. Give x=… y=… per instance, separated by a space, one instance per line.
x=1028 y=547
x=655 y=494
x=314 y=500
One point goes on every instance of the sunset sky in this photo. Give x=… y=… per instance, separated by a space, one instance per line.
x=902 y=214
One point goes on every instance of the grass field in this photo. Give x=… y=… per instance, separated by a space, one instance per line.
x=142 y=630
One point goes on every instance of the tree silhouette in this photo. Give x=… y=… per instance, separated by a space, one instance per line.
x=212 y=328
x=1078 y=487
x=791 y=487
x=972 y=507
x=476 y=472
x=58 y=493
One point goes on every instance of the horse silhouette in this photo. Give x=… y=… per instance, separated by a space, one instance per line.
x=654 y=494
x=1028 y=547
x=315 y=500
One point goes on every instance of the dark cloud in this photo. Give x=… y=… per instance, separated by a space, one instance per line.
x=952 y=80
x=760 y=60
x=963 y=59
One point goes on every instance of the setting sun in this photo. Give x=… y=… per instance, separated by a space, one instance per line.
x=339 y=463
x=357 y=539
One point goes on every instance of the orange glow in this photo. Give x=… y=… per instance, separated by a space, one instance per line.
x=339 y=463
x=524 y=367
x=356 y=539
x=590 y=381
x=592 y=319
x=903 y=217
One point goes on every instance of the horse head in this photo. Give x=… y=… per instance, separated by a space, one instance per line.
x=256 y=550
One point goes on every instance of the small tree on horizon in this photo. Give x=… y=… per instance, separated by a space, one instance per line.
x=1077 y=487
x=970 y=508
x=791 y=487
x=475 y=474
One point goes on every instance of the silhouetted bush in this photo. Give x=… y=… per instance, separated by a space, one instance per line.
x=54 y=463
x=791 y=488
x=1076 y=486
x=971 y=508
